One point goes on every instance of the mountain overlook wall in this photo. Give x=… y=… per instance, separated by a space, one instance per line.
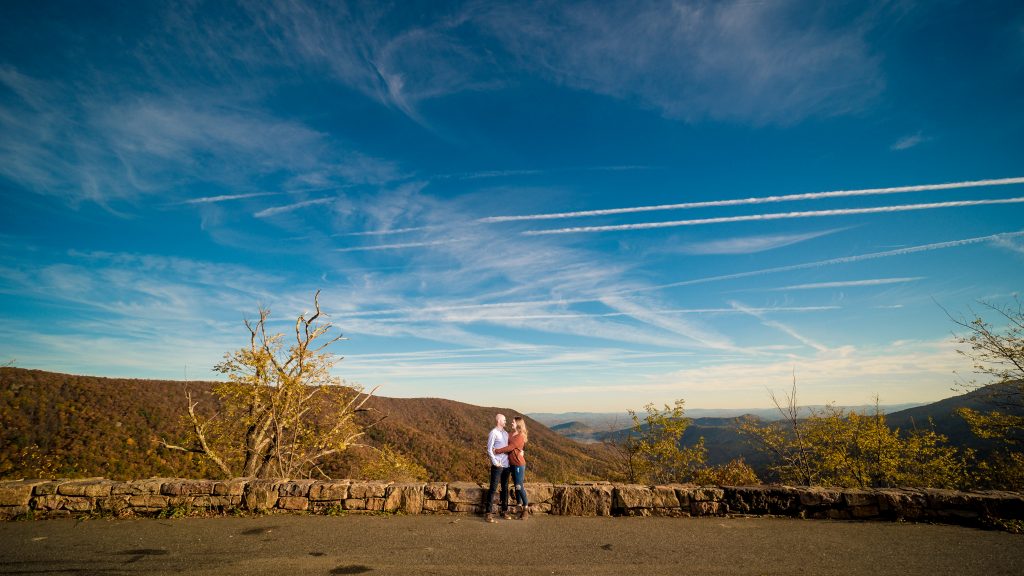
x=170 y=496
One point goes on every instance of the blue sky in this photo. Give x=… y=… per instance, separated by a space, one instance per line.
x=551 y=206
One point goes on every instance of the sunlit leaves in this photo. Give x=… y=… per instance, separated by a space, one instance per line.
x=282 y=410
x=833 y=447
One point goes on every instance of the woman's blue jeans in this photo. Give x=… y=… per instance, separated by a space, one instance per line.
x=518 y=478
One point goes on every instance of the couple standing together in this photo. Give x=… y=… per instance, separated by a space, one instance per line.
x=507 y=458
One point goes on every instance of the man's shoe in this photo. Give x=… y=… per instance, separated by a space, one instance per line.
x=525 y=514
x=490 y=519
x=506 y=515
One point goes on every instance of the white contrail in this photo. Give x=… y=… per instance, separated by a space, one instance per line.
x=774 y=216
x=762 y=200
x=455 y=307
x=843 y=260
x=623 y=314
x=291 y=207
x=227 y=197
x=849 y=283
x=396 y=246
x=387 y=231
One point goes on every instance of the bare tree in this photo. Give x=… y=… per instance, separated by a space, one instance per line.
x=281 y=412
x=996 y=352
x=786 y=441
x=625 y=450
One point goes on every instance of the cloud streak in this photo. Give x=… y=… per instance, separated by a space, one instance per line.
x=569 y=316
x=227 y=198
x=748 y=244
x=774 y=216
x=995 y=238
x=398 y=246
x=779 y=326
x=653 y=316
x=908 y=142
x=484 y=174
x=760 y=62
x=267 y=212
x=762 y=200
x=848 y=284
x=388 y=231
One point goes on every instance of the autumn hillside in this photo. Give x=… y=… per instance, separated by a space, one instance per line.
x=65 y=425
x=449 y=438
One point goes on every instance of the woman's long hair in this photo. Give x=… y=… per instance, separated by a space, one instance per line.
x=521 y=427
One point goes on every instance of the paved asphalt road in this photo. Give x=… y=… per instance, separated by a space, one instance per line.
x=292 y=545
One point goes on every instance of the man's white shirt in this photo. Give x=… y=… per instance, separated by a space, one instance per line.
x=498 y=438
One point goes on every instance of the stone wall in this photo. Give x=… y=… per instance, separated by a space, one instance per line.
x=172 y=496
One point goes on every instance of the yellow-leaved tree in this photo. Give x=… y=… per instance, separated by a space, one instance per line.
x=652 y=452
x=280 y=412
x=833 y=447
x=996 y=351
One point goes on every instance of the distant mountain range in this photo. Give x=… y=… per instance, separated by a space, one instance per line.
x=618 y=420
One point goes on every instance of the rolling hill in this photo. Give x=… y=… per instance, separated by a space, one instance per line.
x=69 y=425
x=943 y=416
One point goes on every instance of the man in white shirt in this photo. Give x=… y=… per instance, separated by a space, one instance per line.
x=500 y=471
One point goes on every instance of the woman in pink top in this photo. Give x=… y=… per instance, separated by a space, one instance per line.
x=517 y=460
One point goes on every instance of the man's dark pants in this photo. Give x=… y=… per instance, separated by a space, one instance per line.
x=498 y=474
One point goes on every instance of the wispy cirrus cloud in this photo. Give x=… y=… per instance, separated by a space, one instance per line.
x=275 y=210
x=485 y=174
x=670 y=57
x=994 y=238
x=846 y=375
x=506 y=309
x=358 y=45
x=227 y=198
x=398 y=246
x=747 y=244
x=779 y=326
x=84 y=143
x=752 y=62
x=498 y=316
x=908 y=142
x=388 y=231
x=1013 y=244
x=761 y=62
x=654 y=316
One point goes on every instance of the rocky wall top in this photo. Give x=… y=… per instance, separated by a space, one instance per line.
x=176 y=496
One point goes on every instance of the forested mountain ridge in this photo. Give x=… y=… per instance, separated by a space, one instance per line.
x=943 y=416
x=724 y=441
x=65 y=425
